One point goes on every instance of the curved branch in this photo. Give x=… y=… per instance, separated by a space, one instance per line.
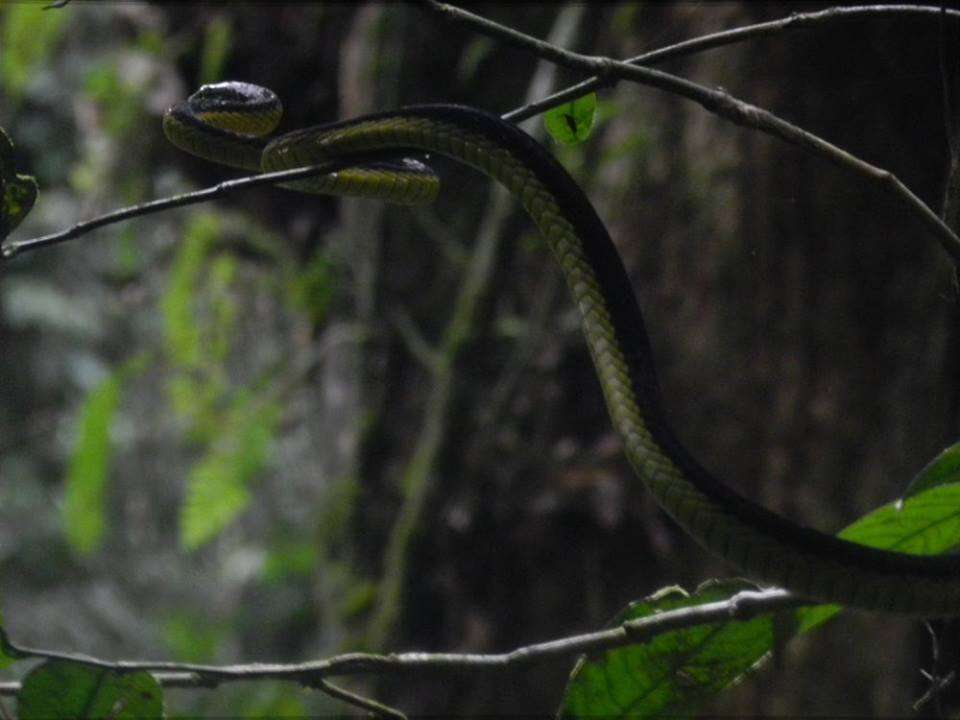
x=718 y=102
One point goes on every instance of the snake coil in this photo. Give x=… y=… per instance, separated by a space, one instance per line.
x=224 y=123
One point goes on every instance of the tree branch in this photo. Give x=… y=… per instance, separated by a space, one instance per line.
x=716 y=101
x=12 y=248
x=606 y=78
x=742 y=606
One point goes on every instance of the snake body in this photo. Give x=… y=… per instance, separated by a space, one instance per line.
x=762 y=544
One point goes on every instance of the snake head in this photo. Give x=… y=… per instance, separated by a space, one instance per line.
x=18 y=193
x=237 y=107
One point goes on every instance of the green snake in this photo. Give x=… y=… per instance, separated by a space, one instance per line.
x=225 y=123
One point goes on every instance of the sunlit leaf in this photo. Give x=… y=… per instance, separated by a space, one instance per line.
x=572 y=122
x=61 y=689
x=927 y=523
x=942 y=470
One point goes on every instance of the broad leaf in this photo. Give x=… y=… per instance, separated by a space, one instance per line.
x=675 y=672
x=942 y=470
x=636 y=682
x=61 y=689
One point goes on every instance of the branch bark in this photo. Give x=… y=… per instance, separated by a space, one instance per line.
x=742 y=606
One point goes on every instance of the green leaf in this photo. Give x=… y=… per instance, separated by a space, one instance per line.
x=84 y=509
x=674 y=673
x=927 y=523
x=942 y=470
x=619 y=684
x=571 y=123
x=217 y=486
x=61 y=689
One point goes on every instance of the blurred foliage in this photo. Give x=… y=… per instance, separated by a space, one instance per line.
x=312 y=289
x=28 y=36
x=216 y=48
x=193 y=639
x=217 y=488
x=119 y=101
x=84 y=503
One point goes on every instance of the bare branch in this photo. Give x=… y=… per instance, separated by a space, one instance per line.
x=12 y=248
x=372 y=706
x=742 y=606
x=796 y=21
x=718 y=102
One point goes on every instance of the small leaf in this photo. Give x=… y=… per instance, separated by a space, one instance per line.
x=942 y=470
x=571 y=123
x=674 y=673
x=61 y=689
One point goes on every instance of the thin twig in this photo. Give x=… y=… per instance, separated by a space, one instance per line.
x=795 y=21
x=716 y=101
x=371 y=706
x=742 y=606
x=12 y=248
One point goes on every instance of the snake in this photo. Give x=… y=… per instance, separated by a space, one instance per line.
x=228 y=122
